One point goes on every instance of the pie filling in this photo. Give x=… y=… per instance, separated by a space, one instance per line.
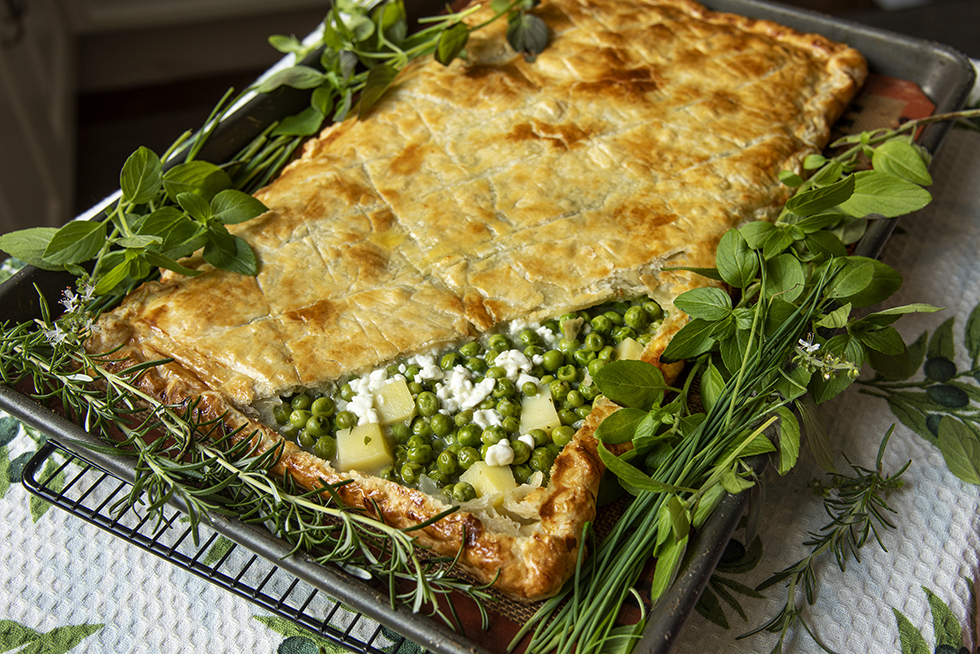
x=476 y=420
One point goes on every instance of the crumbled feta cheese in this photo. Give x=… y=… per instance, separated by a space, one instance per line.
x=527 y=439
x=486 y=417
x=458 y=392
x=500 y=454
x=524 y=378
x=513 y=362
x=362 y=406
x=429 y=369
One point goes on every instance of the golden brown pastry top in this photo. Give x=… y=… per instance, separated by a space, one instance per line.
x=497 y=189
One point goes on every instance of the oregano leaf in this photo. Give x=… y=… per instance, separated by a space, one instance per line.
x=141 y=176
x=822 y=198
x=710 y=303
x=693 y=340
x=900 y=158
x=29 y=245
x=635 y=384
x=76 y=242
x=451 y=43
x=880 y=193
x=620 y=426
x=737 y=263
x=232 y=207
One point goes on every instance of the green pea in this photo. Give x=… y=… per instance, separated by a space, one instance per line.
x=347 y=393
x=511 y=424
x=654 y=311
x=541 y=459
x=583 y=411
x=438 y=477
x=416 y=441
x=282 y=412
x=553 y=360
x=492 y=434
x=400 y=432
x=476 y=364
x=325 y=447
x=568 y=373
x=636 y=318
x=484 y=448
x=614 y=317
x=420 y=454
x=562 y=436
x=568 y=344
x=463 y=418
x=441 y=424
x=421 y=428
x=595 y=366
x=463 y=492
x=470 y=349
x=522 y=453
x=305 y=438
x=389 y=474
x=573 y=399
x=508 y=407
x=415 y=387
x=491 y=356
x=301 y=402
x=393 y=369
x=620 y=334
x=529 y=389
x=566 y=317
x=522 y=473
x=567 y=417
x=323 y=406
x=499 y=342
x=317 y=426
x=532 y=351
x=552 y=326
x=469 y=436
x=607 y=354
x=450 y=360
x=410 y=473
x=594 y=342
x=447 y=463
x=529 y=337
x=583 y=357
x=412 y=371
x=497 y=372
x=289 y=431
x=298 y=417
x=467 y=457
x=540 y=437
x=488 y=404
x=589 y=392
x=547 y=379
x=504 y=388
x=559 y=390
x=600 y=325
x=427 y=403
x=644 y=338
x=345 y=420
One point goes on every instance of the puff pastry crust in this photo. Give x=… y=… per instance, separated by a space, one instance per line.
x=491 y=190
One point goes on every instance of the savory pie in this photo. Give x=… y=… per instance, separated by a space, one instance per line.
x=493 y=190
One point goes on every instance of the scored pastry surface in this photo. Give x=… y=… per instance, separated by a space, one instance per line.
x=498 y=189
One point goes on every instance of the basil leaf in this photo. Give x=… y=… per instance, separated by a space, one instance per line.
x=825 y=244
x=822 y=198
x=361 y=27
x=306 y=123
x=451 y=43
x=863 y=282
x=141 y=176
x=756 y=232
x=138 y=241
x=960 y=448
x=175 y=228
x=76 y=242
x=790 y=179
x=712 y=386
x=635 y=384
x=344 y=107
x=709 y=303
x=901 y=159
x=828 y=174
x=113 y=278
x=527 y=34
x=195 y=206
x=734 y=483
x=161 y=261
x=785 y=277
x=620 y=426
x=880 y=193
x=884 y=339
x=668 y=564
x=379 y=79
x=836 y=318
x=778 y=240
x=199 y=177
x=242 y=261
x=297 y=77
x=710 y=273
x=815 y=223
x=691 y=341
x=633 y=478
x=737 y=263
x=29 y=245
x=392 y=20
x=323 y=100
x=789 y=440
x=232 y=207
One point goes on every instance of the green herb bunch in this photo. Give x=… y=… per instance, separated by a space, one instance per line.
x=364 y=49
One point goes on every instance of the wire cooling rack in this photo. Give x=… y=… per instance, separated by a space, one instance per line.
x=91 y=493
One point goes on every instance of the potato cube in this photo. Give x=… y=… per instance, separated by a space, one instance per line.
x=489 y=480
x=394 y=402
x=363 y=448
x=629 y=349
x=539 y=412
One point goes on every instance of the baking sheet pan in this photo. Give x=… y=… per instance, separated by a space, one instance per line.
x=943 y=74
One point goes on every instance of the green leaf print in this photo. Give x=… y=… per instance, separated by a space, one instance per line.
x=57 y=641
x=294 y=634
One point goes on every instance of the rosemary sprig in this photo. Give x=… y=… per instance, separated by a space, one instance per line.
x=858 y=508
